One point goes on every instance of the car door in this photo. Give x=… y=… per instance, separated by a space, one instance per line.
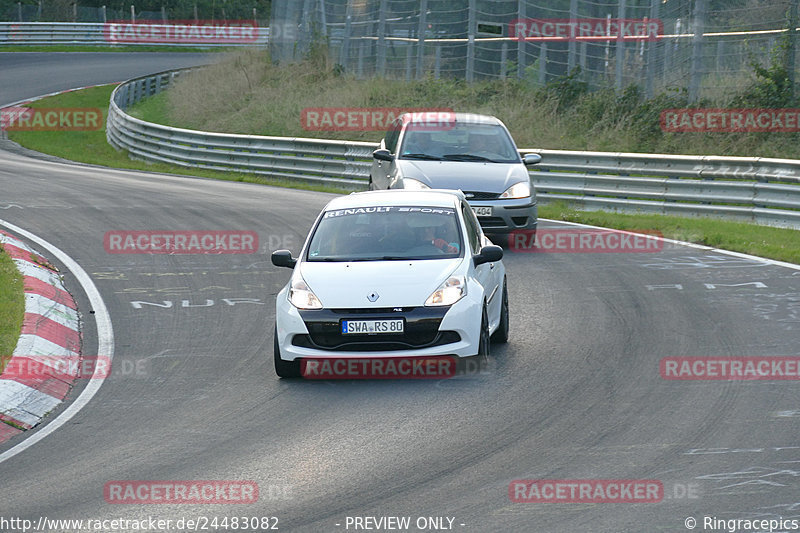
x=487 y=274
x=382 y=170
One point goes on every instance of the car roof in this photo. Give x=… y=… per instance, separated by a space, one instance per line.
x=465 y=118
x=430 y=198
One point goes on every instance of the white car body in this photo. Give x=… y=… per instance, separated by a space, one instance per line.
x=347 y=289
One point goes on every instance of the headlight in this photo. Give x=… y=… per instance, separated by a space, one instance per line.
x=518 y=190
x=414 y=185
x=302 y=297
x=449 y=292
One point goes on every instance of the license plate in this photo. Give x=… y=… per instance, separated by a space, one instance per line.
x=482 y=211
x=370 y=327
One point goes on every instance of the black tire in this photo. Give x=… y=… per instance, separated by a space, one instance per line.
x=284 y=369
x=501 y=335
x=484 y=343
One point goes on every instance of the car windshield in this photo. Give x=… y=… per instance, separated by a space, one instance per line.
x=386 y=233
x=459 y=142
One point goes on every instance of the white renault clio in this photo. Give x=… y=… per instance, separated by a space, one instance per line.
x=391 y=274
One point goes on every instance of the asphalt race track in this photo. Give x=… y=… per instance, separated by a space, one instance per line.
x=576 y=394
x=28 y=74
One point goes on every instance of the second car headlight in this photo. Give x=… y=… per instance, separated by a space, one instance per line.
x=414 y=185
x=518 y=190
x=449 y=292
x=301 y=296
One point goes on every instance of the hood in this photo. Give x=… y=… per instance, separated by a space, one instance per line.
x=464 y=175
x=397 y=283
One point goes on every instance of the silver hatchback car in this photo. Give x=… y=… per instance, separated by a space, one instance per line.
x=464 y=151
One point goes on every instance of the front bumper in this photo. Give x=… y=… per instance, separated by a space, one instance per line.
x=507 y=215
x=429 y=331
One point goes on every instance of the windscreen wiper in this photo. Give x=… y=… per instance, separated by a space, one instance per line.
x=422 y=156
x=467 y=157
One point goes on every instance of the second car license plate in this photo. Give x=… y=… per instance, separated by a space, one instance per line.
x=368 y=327
x=482 y=211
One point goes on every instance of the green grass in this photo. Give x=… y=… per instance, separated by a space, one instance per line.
x=774 y=243
x=12 y=306
x=91 y=146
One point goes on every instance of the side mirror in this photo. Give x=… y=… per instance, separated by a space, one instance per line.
x=488 y=254
x=382 y=155
x=283 y=258
x=531 y=159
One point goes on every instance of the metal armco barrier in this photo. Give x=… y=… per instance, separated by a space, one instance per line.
x=339 y=163
x=759 y=190
x=90 y=33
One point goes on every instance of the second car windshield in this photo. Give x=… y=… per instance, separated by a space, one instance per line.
x=386 y=233
x=459 y=142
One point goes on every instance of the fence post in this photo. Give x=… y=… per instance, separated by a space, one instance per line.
x=620 y=46
x=521 y=42
x=472 y=28
x=102 y=10
x=381 y=38
x=571 y=51
x=503 y=59
x=652 y=51
x=360 y=69
x=790 y=51
x=696 y=75
x=19 y=11
x=543 y=62
x=437 y=62
x=133 y=14
x=344 y=54
x=423 y=23
x=409 y=59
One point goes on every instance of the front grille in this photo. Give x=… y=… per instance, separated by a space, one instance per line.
x=421 y=329
x=476 y=195
x=491 y=222
x=442 y=338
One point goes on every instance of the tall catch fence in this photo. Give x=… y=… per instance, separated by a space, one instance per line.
x=705 y=47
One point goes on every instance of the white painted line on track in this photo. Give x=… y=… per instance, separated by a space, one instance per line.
x=689 y=244
x=105 y=342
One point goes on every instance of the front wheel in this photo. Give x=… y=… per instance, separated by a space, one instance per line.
x=284 y=369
